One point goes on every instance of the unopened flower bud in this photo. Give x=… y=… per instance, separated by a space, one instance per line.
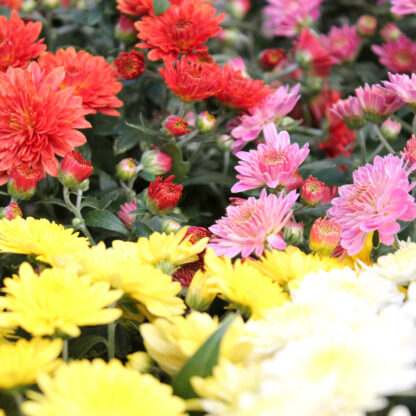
x=175 y=126
x=125 y=215
x=169 y=226
x=125 y=30
x=304 y=59
x=130 y=65
x=293 y=233
x=269 y=58
x=205 y=122
x=390 y=32
x=11 y=212
x=126 y=169
x=409 y=152
x=190 y=118
x=312 y=191
x=238 y=8
x=77 y=222
x=140 y=361
x=314 y=84
x=325 y=236
x=51 y=4
x=163 y=195
x=22 y=181
x=28 y=6
x=224 y=142
x=73 y=170
x=201 y=292
x=366 y=25
x=156 y=162
x=390 y=129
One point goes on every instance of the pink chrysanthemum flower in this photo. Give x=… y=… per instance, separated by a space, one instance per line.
x=273 y=164
x=342 y=43
x=409 y=152
x=350 y=112
x=273 y=108
x=287 y=17
x=403 y=7
x=378 y=198
x=377 y=102
x=397 y=56
x=404 y=87
x=253 y=225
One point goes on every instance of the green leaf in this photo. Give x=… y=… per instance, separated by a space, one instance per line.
x=127 y=138
x=160 y=6
x=147 y=176
x=202 y=362
x=180 y=168
x=209 y=177
x=55 y=201
x=82 y=345
x=104 y=219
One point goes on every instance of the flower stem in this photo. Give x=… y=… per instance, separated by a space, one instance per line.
x=111 y=337
x=362 y=144
x=65 y=349
x=383 y=139
x=188 y=138
x=18 y=399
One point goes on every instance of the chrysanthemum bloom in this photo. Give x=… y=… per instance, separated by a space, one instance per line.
x=390 y=31
x=48 y=242
x=124 y=214
x=325 y=236
x=23 y=180
x=253 y=225
x=404 y=87
x=97 y=388
x=287 y=17
x=163 y=195
x=191 y=82
x=135 y=7
x=92 y=78
x=366 y=25
x=183 y=28
x=126 y=169
x=403 y=7
x=342 y=43
x=269 y=58
x=156 y=162
x=23 y=361
x=312 y=55
x=11 y=211
x=378 y=103
x=272 y=164
x=130 y=65
x=12 y=4
x=38 y=119
x=397 y=56
x=19 y=44
x=390 y=129
x=312 y=191
x=409 y=153
x=171 y=342
x=377 y=199
x=125 y=30
x=239 y=92
x=329 y=194
x=274 y=107
x=73 y=170
x=293 y=232
x=57 y=300
x=186 y=273
x=140 y=361
x=175 y=126
x=350 y=112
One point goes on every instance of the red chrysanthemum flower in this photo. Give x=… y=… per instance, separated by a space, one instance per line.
x=130 y=65
x=340 y=138
x=183 y=28
x=175 y=126
x=92 y=77
x=18 y=41
x=239 y=92
x=38 y=119
x=191 y=82
x=185 y=274
x=312 y=55
x=11 y=4
x=139 y=7
x=163 y=195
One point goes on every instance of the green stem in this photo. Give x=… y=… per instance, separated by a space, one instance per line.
x=414 y=124
x=188 y=138
x=18 y=399
x=363 y=146
x=383 y=139
x=288 y=70
x=65 y=352
x=111 y=337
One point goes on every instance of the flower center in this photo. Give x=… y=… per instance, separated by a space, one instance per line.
x=275 y=157
x=245 y=214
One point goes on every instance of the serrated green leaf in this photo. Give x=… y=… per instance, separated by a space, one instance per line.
x=180 y=168
x=82 y=345
x=202 y=362
x=105 y=219
x=160 y=6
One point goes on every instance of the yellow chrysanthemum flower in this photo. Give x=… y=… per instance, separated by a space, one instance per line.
x=201 y=292
x=172 y=342
x=96 y=388
x=57 y=300
x=154 y=290
x=6 y=331
x=140 y=361
x=243 y=285
x=164 y=251
x=22 y=361
x=294 y=264
x=47 y=241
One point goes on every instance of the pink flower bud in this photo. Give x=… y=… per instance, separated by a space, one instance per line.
x=390 y=32
x=11 y=211
x=125 y=30
x=169 y=226
x=325 y=236
x=126 y=169
x=156 y=162
x=293 y=233
x=312 y=191
x=124 y=214
x=205 y=122
x=391 y=129
x=366 y=25
x=409 y=152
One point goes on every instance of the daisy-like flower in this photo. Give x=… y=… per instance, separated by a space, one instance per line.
x=403 y=7
x=272 y=164
x=19 y=43
x=253 y=225
x=38 y=119
x=312 y=55
x=93 y=388
x=57 y=300
x=350 y=112
x=404 y=87
x=239 y=92
x=191 y=81
x=342 y=43
x=23 y=361
x=378 y=103
x=287 y=17
x=377 y=199
x=398 y=55
x=183 y=28
x=91 y=77
x=275 y=106
x=48 y=242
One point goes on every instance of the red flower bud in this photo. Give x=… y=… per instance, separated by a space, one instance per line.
x=269 y=58
x=125 y=30
x=325 y=236
x=175 y=126
x=11 y=211
x=163 y=195
x=73 y=170
x=312 y=191
x=197 y=233
x=23 y=180
x=130 y=65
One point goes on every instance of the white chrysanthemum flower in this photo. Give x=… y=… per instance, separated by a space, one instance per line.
x=399 y=411
x=400 y=266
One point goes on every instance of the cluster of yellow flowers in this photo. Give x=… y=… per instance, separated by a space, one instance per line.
x=282 y=299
